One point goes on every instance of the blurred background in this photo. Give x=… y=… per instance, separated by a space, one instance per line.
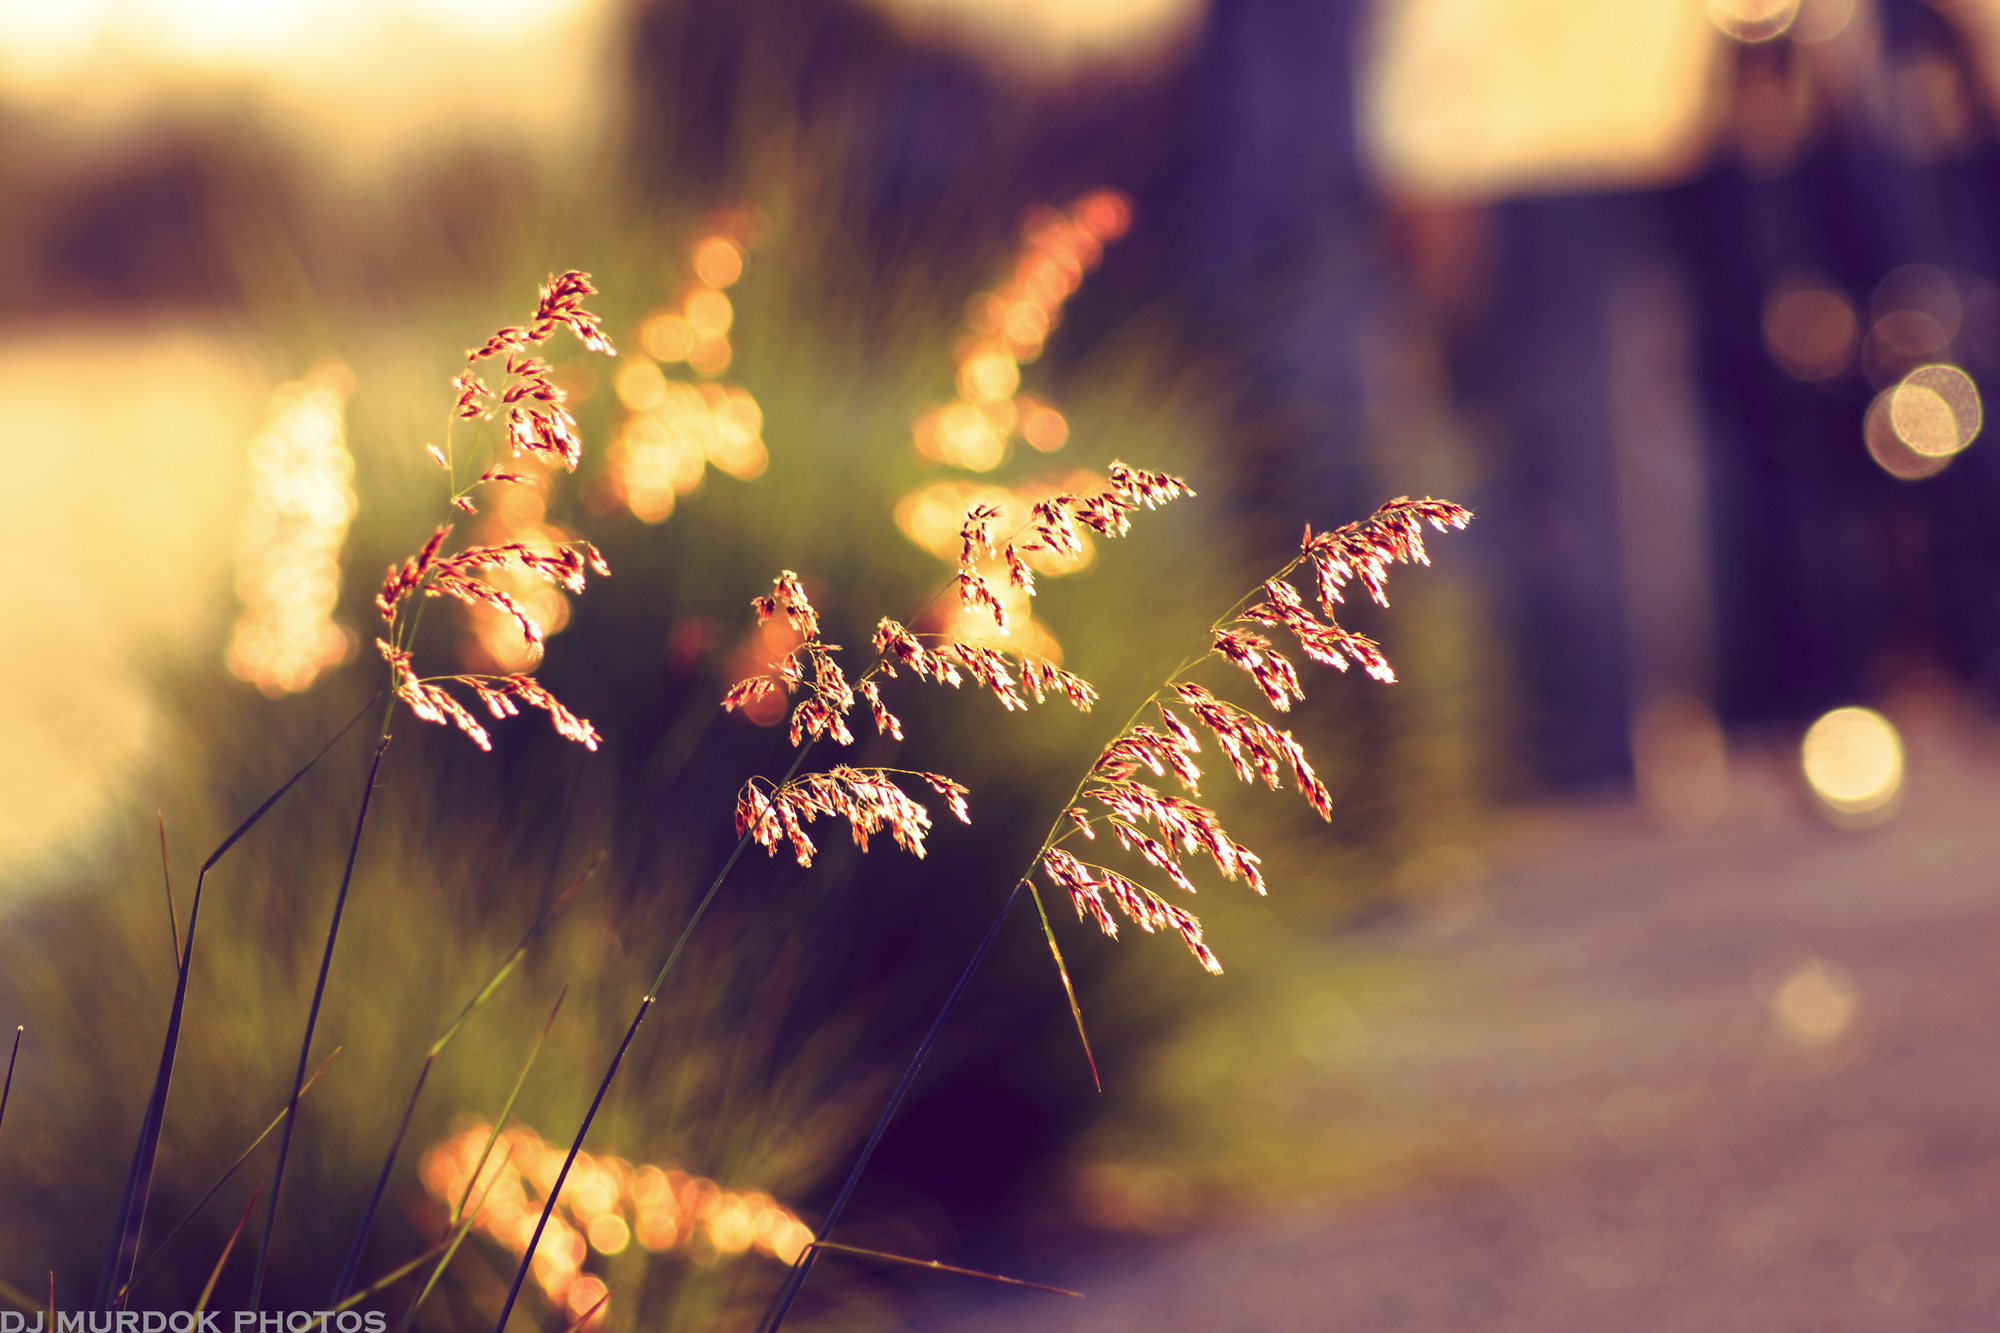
x=1674 y=828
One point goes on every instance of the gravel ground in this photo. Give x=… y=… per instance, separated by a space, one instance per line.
x=1751 y=1077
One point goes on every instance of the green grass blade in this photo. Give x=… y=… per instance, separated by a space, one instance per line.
x=499 y=1121
x=781 y=1304
x=1062 y=970
x=216 y=1272
x=389 y=1278
x=937 y=1267
x=153 y=1259
x=353 y=1260
x=604 y=1085
x=312 y=1020
x=124 y=1247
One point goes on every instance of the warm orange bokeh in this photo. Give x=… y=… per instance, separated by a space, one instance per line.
x=606 y=1204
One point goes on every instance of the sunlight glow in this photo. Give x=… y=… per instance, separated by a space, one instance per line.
x=288 y=553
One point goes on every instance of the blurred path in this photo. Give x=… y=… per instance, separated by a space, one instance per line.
x=1746 y=1079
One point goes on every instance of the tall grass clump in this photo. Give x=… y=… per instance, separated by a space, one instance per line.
x=556 y=1070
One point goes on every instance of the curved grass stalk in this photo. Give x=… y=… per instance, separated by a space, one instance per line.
x=154 y=1258
x=312 y=1015
x=513 y=960
x=604 y=1085
x=458 y=1232
x=124 y=1248
x=782 y=1303
x=208 y=1288
x=934 y=1266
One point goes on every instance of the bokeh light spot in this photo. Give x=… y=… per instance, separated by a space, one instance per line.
x=1810 y=331
x=1936 y=411
x=1888 y=450
x=608 y=1233
x=988 y=377
x=667 y=337
x=641 y=386
x=1042 y=426
x=1853 y=758
x=1814 y=1004
x=718 y=262
x=709 y=313
x=1900 y=340
x=1923 y=289
x=1753 y=20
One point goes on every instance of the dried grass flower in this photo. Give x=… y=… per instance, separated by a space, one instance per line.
x=1112 y=795
x=534 y=423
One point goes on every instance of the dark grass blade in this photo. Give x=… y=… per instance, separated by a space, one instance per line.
x=527 y=1258
x=604 y=1086
x=458 y=1209
x=167 y=873
x=216 y=1272
x=153 y=1257
x=937 y=1267
x=312 y=1020
x=124 y=1248
x=781 y=1304
x=353 y=1261
x=7 y=1088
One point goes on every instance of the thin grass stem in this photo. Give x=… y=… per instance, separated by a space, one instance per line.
x=584 y=1318
x=124 y=1248
x=167 y=873
x=7 y=1088
x=153 y=1259
x=393 y=1276
x=781 y=1304
x=604 y=1085
x=937 y=1267
x=458 y=1209
x=312 y=1019
x=215 y=1273
x=353 y=1261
